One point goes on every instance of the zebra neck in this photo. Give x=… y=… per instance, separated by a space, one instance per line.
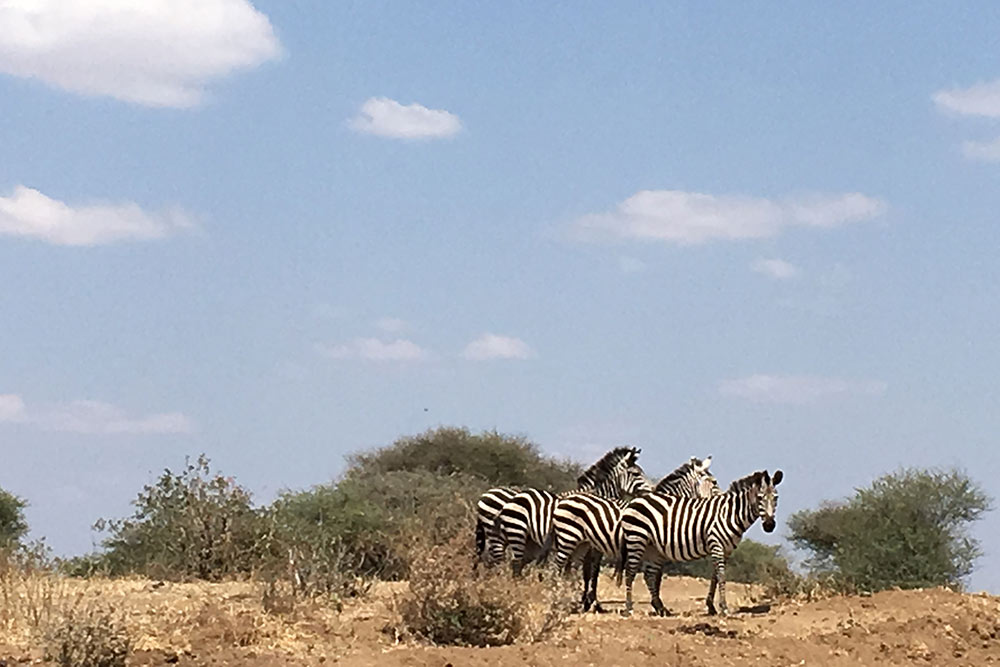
x=746 y=510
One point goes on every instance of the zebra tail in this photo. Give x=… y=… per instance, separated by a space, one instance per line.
x=480 y=537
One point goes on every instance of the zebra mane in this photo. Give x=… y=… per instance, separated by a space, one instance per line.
x=750 y=481
x=682 y=471
x=601 y=470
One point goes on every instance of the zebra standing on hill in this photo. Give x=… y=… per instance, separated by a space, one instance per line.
x=525 y=522
x=659 y=528
x=585 y=524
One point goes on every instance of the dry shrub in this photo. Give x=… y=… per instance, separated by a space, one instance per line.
x=446 y=604
x=88 y=636
x=32 y=595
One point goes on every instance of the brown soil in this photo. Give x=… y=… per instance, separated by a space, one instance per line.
x=224 y=624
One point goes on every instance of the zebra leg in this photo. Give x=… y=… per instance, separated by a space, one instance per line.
x=720 y=576
x=591 y=577
x=653 y=574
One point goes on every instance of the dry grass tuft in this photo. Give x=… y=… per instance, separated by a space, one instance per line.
x=88 y=636
x=445 y=604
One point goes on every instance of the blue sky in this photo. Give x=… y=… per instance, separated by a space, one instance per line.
x=284 y=232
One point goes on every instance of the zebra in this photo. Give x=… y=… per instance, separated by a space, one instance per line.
x=659 y=528
x=525 y=522
x=487 y=508
x=585 y=524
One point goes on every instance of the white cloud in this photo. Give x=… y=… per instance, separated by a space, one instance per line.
x=982 y=99
x=30 y=214
x=775 y=268
x=688 y=218
x=491 y=346
x=392 y=324
x=372 y=349
x=384 y=117
x=797 y=389
x=985 y=151
x=89 y=417
x=158 y=53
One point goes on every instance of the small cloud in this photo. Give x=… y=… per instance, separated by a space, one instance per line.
x=982 y=99
x=984 y=151
x=372 y=349
x=491 y=346
x=688 y=218
x=392 y=324
x=797 y=389
x=384 y=117
x=90 y=417
x=157 y=53
x=631 y=264
x=28 y=213
x=778 y=269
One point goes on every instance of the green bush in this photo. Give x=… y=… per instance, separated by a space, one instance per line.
x=495 y=458
x=13 y=526
x=365 y=524
x=192 y=524
x=908 y=529
x=750 y=563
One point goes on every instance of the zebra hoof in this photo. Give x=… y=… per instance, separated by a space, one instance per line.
x=711 y=610
x=598 y=609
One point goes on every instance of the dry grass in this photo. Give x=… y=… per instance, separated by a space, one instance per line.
x=446 y=604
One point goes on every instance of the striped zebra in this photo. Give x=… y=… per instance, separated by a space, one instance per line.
x=525 y=523
x=487 y=509
x=584 y=524
x=659 y=528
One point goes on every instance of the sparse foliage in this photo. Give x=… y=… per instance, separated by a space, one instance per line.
x=89 y=636
x=192 y=524
x=908 y=529
x=446 y=605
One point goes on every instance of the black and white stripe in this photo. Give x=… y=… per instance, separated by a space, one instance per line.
x=584 y=524
x=524 y=525
x=659 y=528
x=487 y=509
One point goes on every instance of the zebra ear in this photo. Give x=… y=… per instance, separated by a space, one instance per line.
x=706 y=462
x=778 y=476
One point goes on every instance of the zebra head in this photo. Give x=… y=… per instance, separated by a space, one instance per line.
x=691 y=479
x=634 y=481
x=615 y=475
x=767 y=499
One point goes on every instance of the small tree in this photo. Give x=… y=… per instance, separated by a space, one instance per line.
x=908 y=529
x=188 y=524
x=13 y=526
x=493 y=457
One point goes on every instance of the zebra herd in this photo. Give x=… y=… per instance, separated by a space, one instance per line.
x=617 y=513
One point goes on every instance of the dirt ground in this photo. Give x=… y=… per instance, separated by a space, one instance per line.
x=224 y=624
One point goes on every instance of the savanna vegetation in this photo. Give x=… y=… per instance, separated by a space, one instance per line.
x=406 y=511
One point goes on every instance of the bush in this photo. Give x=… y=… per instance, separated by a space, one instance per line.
x=446 y=605
x=13 y=527
x=495 y=458
x=88 y=637
x=750 y=563
x=192 y=524
x=365 y=525
x=908 y=529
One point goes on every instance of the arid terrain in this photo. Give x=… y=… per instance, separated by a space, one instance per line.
x=226 y=624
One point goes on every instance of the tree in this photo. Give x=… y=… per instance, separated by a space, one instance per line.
x=493 y=457
x=189 y=524
x=12 y=523
x=908 y=529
